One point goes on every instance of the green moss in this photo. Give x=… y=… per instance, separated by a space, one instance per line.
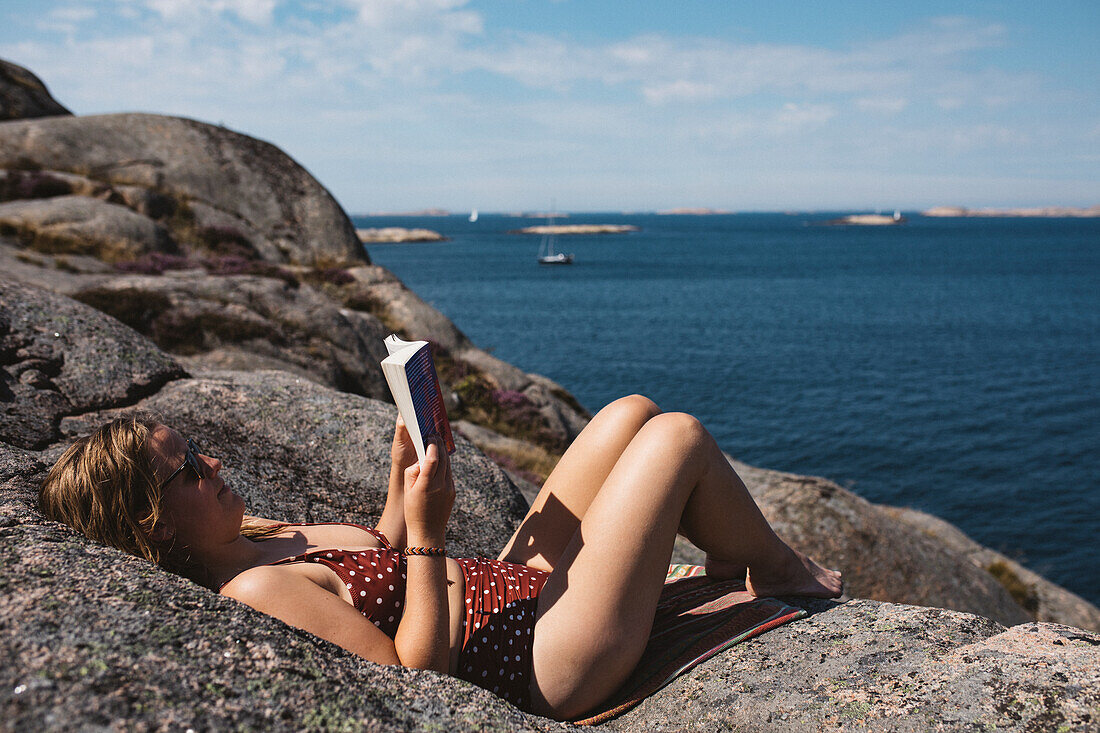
x=93 y=667
x=30 y=259
x=216 y=689
x=362 y=299
x=63 y=264
x=857 y=710
x=1022 y=593
x=164 y=635
x=66 y=243
x=329 y=716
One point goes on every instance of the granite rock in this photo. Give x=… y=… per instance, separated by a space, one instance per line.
x=881 y=558
x=245 y=321
x=866 y=665
x=86 y=226
x=207 y=182
x=23 y=95
x=59 y=357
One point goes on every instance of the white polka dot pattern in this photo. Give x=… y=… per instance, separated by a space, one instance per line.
x=501 y=601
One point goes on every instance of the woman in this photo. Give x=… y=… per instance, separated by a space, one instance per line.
x=555 y=625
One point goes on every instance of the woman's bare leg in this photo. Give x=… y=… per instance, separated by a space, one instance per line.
x=557 y=510
x=596 y=610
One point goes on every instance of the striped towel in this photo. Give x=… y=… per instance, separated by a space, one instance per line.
x=696 y=619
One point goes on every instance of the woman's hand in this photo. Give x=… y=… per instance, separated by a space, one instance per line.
x=429 y=497
x=403 y=455
x=403 y=452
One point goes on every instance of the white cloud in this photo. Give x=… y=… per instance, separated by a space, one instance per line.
x=254 y=11
x=72 y=13
x=679 y=91
x=799 y=117
x=882 y=105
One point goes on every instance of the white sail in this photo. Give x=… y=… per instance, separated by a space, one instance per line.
x=473 y=216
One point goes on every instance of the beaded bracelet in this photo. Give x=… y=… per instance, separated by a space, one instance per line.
x=431 y=551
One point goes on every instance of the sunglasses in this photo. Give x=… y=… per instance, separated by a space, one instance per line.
x=191 y=459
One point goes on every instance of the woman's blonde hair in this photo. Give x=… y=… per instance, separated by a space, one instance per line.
x=105 y=487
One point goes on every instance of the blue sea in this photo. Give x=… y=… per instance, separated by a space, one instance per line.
x=950 y=365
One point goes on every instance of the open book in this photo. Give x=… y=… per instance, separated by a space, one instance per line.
x=411 y=375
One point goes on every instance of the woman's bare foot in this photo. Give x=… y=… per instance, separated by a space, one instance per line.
x=798 y=576
x=720 y=570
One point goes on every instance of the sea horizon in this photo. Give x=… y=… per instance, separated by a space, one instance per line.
x=717 y=211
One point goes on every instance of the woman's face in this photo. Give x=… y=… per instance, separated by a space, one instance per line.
x=197 y=512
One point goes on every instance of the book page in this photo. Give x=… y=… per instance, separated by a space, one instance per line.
x=431 y=413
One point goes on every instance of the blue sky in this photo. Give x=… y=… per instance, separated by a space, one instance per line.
x=606 y=106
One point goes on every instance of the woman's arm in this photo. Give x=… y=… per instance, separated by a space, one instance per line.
x=402 y=455
x=300 y=601
x=423 y=637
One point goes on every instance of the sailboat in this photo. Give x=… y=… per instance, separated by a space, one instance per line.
x=473 y=216
x=547 y=255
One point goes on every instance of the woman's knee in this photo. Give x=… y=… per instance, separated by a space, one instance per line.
x=679 y=429
x=636 y=408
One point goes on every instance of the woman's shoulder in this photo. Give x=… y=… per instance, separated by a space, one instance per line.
x=257 y=582
x=265 y=586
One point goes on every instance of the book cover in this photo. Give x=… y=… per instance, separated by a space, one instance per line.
x=410 y=373
x=427 y=398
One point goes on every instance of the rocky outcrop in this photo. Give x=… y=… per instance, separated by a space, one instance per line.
x=82 y=225
x=95 y=638
x=247 y=322
x=867 y=220
x=214 y=189
x=399 y=234
x=903 y=556
x=867 y=666
x=326 y=325
x=577 y=229
x=59 y=358
x=1042 y=599
x=23 y=95
x=238 y=259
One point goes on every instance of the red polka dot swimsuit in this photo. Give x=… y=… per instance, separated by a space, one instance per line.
x=375 y=579
x=501 y=599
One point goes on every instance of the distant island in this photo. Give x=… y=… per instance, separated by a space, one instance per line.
x=1036 y=211
x=399 y=234
x=577 y=229
x=868 y=220
x=694 y=211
